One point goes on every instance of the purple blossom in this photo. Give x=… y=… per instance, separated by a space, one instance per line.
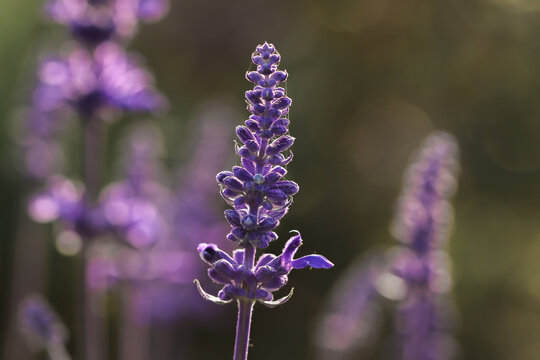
x=159 y=227
x=64 y=200
x=106 y=79
x=260 y=197
x=421 y=224
x=96 y=21
x=269 y=274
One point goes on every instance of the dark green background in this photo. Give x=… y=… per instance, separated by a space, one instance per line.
x=369 y=79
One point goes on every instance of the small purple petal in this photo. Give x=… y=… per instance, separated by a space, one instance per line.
x=265 y=259
x=314 y=261
x=210 y=253
x=225 y=269
x=242 y=174
x=276 y=195
x=232 y=217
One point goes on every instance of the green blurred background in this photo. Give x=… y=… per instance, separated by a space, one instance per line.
x=369 y=79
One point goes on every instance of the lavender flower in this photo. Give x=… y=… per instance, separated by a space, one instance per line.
x=96 y=21
x=422 y=224
x=42 y=328
x=260 y=198
x=93 y=82
x=266 y=276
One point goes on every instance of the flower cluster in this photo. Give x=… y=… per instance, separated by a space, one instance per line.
x=90 y=82
x=159 y=226
x=96 y=21
x=414 y=275
x=94 y=77
x=257 y=191
x=136 y=207
x=63 y=199
x=422 y=223
x=259 y=195
x=268 y=275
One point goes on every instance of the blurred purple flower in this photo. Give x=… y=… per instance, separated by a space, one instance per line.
x=351 y=322
x=197 y=213
x=159 y=226
x=137 y=208
x=422 y=222
x=93 y=82
x=96 y=21
x=64 y=200
x=39 y=323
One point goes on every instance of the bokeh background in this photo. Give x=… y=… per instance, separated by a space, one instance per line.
x=369 y=79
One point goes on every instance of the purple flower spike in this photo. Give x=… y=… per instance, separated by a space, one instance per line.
x=257 y=191
x=421 y=224
x=260 y=197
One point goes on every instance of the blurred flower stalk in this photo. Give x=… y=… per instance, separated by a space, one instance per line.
x=415 y=276
x=95 y=80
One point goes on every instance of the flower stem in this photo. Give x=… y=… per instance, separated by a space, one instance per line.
x=92 y=337
x=243 y=327
x=91 y=167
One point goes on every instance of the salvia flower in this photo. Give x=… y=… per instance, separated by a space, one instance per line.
x=269 y=274
x=41 y=326
x=421 y=224
x=259 y=194
x=96 y=21
x=260 y=197
x=92 y=82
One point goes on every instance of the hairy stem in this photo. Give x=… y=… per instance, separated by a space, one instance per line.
x=243 y=327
